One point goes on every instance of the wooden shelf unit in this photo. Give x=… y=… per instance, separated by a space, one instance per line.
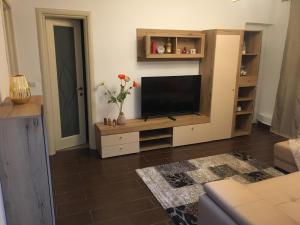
x=179 y=39
x=246 y=84
x=137 y=125
x=155 y=134
x=155 y=144
x=243 y=124
x=139 y=135
x=156 y=139
x=244 y=99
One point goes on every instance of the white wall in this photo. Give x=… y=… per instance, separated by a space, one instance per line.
x=273 y=49
x=4 y=74
x=114 y=24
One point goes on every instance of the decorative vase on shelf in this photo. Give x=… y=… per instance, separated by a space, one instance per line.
x=169 y=46
x=19 y=91
x=244 y=51
x=121 y=119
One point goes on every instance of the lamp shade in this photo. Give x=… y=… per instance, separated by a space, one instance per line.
x=19 y=90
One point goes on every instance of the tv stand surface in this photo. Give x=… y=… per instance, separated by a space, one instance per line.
x=172 y=118
x=136 y=125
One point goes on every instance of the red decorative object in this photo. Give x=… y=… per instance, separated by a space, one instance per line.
x=184 y=51
x=153 y=47
x=121 y=76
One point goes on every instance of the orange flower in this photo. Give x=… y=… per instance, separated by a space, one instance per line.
x=135 y=84
x=127 y=79
x=121 y=76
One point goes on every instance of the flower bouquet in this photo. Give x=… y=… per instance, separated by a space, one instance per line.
x=118 y=98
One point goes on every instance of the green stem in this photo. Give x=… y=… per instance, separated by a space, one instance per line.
x=121 y=107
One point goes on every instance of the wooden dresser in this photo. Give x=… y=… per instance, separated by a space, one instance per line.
x=24 y=164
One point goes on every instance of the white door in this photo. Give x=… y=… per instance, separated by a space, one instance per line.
x=67 y=82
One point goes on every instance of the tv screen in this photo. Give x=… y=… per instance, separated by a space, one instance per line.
x=170 y=95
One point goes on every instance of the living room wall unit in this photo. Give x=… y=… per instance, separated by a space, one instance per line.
x=115 y=52
x=246 y=83
x=219 y=69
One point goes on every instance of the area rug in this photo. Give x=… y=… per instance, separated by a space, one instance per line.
x=177 y=186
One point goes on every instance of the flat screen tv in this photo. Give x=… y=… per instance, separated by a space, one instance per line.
x=170 y=95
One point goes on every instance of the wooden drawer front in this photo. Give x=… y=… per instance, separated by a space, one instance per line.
x=119 y=139
x=246 y=81
x=117 y=150
x=192 y=134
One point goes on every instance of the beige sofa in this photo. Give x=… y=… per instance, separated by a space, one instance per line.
x=274 y=201
x=283 y=157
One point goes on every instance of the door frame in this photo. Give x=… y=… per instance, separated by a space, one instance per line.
x=42 y=14
x=9 y=36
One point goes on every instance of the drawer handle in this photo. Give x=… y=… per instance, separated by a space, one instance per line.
x=121 y=148
x=120 y=138
x=192 y=128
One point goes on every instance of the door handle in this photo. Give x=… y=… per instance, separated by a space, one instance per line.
x=80 y=89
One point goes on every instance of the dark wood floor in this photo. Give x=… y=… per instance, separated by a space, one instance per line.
x=88 y=190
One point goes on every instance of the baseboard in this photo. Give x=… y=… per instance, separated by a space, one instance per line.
x=265 y=119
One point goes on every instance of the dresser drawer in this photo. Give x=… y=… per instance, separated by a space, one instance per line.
x=191 y=134
x=118 y=139
x=116 y=150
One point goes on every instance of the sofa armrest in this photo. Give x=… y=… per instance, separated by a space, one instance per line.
x=244 y=206
x=229 y=193
x=210 y=213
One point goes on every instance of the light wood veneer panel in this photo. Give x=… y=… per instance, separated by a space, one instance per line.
x=119 y=139
x=151 y=124
x=116 y=150
x=32 y=108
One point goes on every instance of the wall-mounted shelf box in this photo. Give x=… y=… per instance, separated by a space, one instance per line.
x=179 y=39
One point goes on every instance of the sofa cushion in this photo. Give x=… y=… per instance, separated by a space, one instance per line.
x=229 y=193
x=292 y=209
x=279 y=189
x=283 y=152
x=261 y=213
x=265 y=202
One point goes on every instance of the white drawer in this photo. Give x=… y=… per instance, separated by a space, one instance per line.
x=117 y=150
x=191 y=134
x=118 y=139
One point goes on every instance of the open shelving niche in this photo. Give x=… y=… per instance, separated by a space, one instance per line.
x=247 y=83
x=177 y=43
x=179 y=40
x=156 y=139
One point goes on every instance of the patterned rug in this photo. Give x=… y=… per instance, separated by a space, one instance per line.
x=177 y=186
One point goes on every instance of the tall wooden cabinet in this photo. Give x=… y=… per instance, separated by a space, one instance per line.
x=24 y=165
x=244 y=63
x=219 y=70
x=246 y=82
